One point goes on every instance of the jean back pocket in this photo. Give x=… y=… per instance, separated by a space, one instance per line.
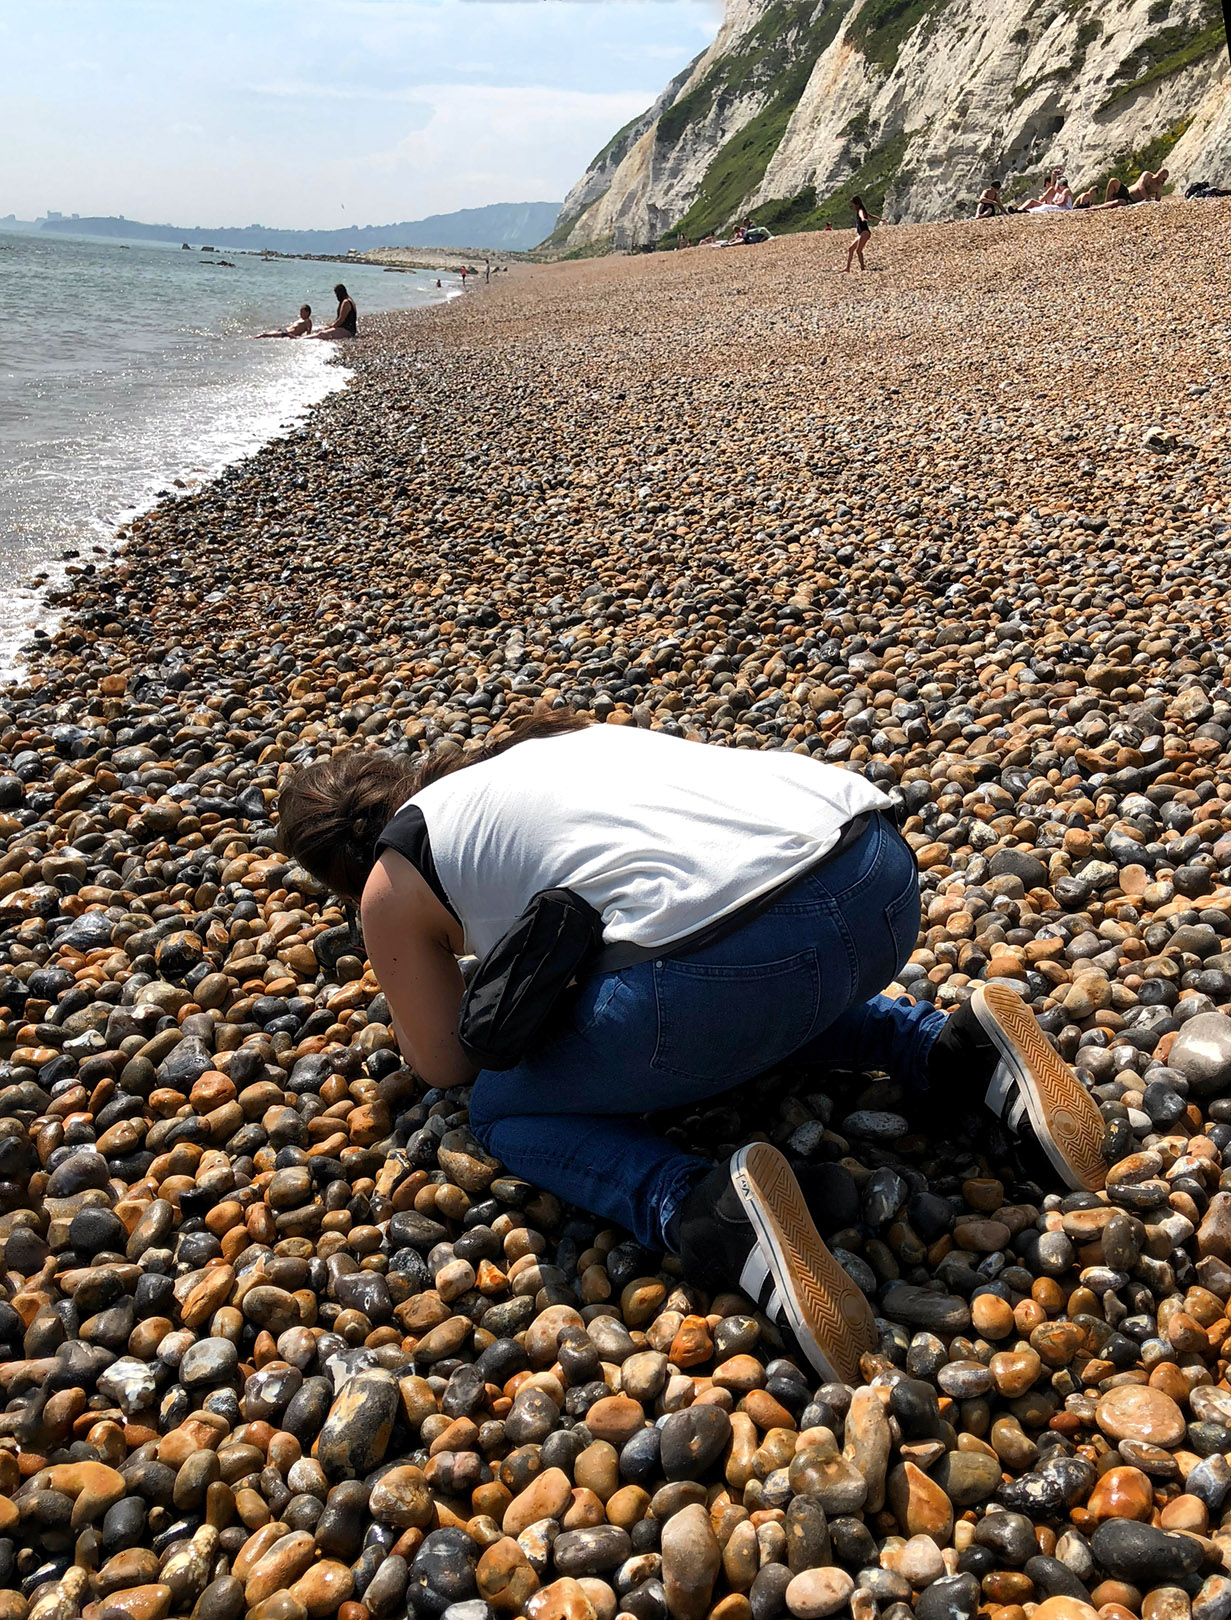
x=724 y=1024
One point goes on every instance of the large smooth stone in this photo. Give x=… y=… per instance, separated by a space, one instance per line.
x=1202 y=1054
x=967 y=1477
x=919 y=1505
x=693 y=1440
x=1144 y=1556
x=1137 y=1412
x=401 y=1497
x=1065 y=1608
x=691 y=1561
x=359 y=1425
x=1122 y=1493
x=955 y=1597
x=549 y=1496
x=819 y=1592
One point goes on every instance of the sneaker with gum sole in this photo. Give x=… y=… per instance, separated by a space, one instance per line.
x=747 y=1226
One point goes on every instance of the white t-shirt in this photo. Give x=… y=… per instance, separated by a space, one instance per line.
x=661 y=836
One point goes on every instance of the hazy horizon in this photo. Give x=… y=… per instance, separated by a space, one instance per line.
x=315 y=117
x=264 y=224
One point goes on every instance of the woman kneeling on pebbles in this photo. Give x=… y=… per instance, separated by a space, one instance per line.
x=752 y=905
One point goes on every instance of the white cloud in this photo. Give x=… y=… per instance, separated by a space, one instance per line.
x=501 y=141
x=304 y=90
x=655 y=53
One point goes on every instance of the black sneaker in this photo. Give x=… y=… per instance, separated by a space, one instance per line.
x=746 y=1226
x=992 y=1046
x=831 y=1195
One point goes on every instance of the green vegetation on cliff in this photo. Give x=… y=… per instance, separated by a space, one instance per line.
x=590 y=250
x=1166 y=53
x=1152 y=156
x=871 y=181
x=1089 y=31
x=564 y=225
x=735 y=172
x=781 y=51
x=879 y=28
x=617 y=142
x=784 y=44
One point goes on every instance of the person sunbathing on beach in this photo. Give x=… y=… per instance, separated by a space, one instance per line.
x=730 y=909
x=1055 y=195
x=990 y=202
x=1115 y=196
x=1148 y=187
x=1058 y=197
x=345 y=322
x=1045 y=196
x=300 y=328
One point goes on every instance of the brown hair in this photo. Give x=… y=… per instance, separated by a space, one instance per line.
x=331 y=813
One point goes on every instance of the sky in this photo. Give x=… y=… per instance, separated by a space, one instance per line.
x=314 y=115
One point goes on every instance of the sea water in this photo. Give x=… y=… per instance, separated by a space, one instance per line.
x=128 y=371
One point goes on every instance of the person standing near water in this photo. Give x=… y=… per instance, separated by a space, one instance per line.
x=743 y=909
x=345 y=322
x=863 y=232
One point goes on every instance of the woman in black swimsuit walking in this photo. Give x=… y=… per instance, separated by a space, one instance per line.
x=345 y=321
x=863 y=232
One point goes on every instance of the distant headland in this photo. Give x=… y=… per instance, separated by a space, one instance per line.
x=499 y=226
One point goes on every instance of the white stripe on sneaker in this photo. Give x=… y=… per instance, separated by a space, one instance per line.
x=753 y=1277
x=1001 y=1090
x=808 y=1293
x=1061 y=1112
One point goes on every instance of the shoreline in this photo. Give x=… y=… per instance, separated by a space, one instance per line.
x=49 y=580
x=49 y=583
x=961 y=523
x=449 y=260
x=246 y=395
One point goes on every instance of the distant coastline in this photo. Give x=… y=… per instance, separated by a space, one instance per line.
x=496 y=227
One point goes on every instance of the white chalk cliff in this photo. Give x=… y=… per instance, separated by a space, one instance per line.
x=916 y=104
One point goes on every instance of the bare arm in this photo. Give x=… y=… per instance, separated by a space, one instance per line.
x=410 y=941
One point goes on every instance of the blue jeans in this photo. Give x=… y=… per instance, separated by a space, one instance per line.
x=793 y=982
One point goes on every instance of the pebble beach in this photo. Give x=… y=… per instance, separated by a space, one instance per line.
x=278 y=1341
